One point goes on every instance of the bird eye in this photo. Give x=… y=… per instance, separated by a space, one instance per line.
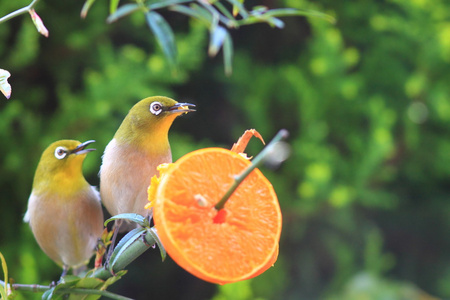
x=60 y=152
x=156 y=108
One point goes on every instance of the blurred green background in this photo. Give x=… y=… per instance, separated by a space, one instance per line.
x=365 y=194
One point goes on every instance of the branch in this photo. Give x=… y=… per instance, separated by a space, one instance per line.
x=18 y=12
x=133 y=250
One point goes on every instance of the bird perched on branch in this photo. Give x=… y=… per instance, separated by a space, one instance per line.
x=64 y=210
x=130 y=159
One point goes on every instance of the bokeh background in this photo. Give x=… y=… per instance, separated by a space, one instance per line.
x=365 y=194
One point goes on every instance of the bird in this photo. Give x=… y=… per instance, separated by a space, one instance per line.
x=130 y=159
x=64 y=210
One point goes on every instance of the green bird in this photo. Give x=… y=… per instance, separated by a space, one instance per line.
x=64 y=210
x=130 y=159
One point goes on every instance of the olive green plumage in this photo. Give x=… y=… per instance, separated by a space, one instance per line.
x=64 y=211
x=130 y=159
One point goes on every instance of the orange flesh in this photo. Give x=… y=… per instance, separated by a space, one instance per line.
x=238 y=243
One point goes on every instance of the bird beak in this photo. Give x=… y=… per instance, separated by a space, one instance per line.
x=181 y=108
x=81 y=148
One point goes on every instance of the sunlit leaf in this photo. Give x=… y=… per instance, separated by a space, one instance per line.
x=122 y=11
x=217 y=38
x=5 y=87
x=164 y=35
x=38 y=23
x=87 y=5
x=113 y=4
x=228 y=54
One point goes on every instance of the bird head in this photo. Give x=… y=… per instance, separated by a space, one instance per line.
x=61 y=161
x=150 y=119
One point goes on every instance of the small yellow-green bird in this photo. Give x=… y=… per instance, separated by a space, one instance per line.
x=130 y=159
x=64 y=210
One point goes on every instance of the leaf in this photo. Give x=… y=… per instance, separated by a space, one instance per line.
x=136 y=218
x=155 y=236
x=238 y=8
x=284 y=12
x=48 y=294
x=191 y=13
x=4 y=290
x=275 y=22
x=228 y=54
x=38 y=23
x=166 y=3
x=164 y=35
x=113 y=4
x=227 y=17
x=111 y=280
x=5 y=87
x=87 y=5
x=203 y=12
x=124 y=243
x=217 y=38
x=223 y=10
x=122 y=11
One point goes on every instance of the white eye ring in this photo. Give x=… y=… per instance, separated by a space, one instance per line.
x=60 y=152
x=156 y=108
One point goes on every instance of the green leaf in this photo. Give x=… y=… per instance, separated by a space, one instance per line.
x=122 y=11
x=155 y=236
x=191 y=13
x=4 y=290
x=217 y=38
x=166 y=3
x=164 y=35
x=48 y=295
x=124 y=243
x=111 y=280
x=284 y=12
x=230 y=21
x=275 y=22
x=203 y=12
x=136 y=218
x=228 y=54
x=87 y=5
x=113 y=4
x=238 y=8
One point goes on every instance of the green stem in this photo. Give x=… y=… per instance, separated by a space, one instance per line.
x=36 y=288
x=132 y=252
x=93 y=292
x=256 y=162
x=18 y=12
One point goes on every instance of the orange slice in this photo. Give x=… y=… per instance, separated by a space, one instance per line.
x=238 y=242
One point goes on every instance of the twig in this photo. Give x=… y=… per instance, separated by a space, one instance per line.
x=18 y=12
x=94 y=292
x=258 y=160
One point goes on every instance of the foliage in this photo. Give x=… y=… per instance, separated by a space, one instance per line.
x=365 y=101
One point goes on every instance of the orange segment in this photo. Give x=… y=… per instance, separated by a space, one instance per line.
x=236 y=243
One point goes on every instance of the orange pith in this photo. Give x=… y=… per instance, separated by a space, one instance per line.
x=239 y=243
